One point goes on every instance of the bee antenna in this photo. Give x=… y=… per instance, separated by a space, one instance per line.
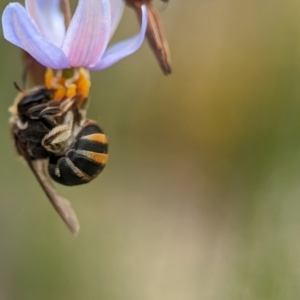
x=17 y=87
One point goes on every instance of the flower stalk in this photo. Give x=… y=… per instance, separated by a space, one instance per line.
x=66 y=10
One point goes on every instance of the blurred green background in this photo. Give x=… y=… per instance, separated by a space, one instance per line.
x=200 y=199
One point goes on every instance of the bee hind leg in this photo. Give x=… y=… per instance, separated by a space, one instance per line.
x=55 y=140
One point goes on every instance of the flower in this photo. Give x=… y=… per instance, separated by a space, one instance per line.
x=40 y=30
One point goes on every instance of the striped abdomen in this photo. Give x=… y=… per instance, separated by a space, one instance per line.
x=85 y=159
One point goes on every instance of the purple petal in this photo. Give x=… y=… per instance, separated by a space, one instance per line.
x=49 y=18
x=19 y=29
x=123 y=49
x=89 y=32
x=117 y=8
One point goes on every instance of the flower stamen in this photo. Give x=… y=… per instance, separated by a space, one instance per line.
x=68 y=83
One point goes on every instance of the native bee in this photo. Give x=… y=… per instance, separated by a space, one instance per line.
x=56 y=140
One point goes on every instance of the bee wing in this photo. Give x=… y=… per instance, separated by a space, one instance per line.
x=60 y=204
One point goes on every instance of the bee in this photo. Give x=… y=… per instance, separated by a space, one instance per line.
x=57 y=141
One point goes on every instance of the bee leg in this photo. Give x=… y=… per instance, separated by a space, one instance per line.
x=52 y=108
x=55 y=140
x=21 y=125
x=66 y=105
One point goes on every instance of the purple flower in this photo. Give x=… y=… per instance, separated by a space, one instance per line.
x=39 y=29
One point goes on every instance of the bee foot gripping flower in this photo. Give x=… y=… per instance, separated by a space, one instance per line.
x=39 y=29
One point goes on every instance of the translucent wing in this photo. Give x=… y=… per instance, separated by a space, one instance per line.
x=60 y=204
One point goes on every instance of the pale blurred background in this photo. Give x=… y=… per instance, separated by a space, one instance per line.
x=200 y=199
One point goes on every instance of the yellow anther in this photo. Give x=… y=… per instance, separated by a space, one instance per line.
x=53 y=82
x=71 y=91
x=68 y=83
x=49 y=75
x=60 y=92
x=83 y=84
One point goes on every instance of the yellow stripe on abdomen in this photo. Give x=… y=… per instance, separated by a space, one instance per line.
x=99 y=158
x=96 y=137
